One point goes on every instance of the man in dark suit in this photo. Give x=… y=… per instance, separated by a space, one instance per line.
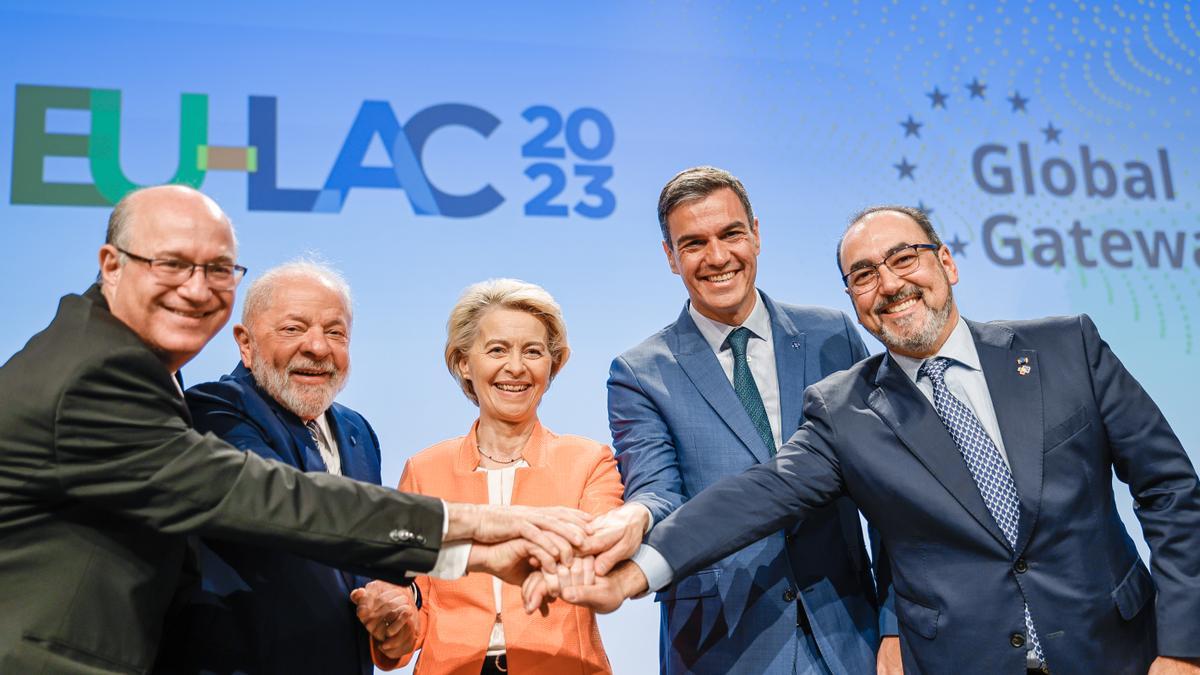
x=101 y=475
x=693 y=404
x=257 y=610
x=983 y=454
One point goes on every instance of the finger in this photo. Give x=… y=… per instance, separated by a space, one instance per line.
x=547 y=561
x=589 y=570
x=533 y=591
x=577 y=572
x=357 y=595
x=598 y=597
x=553 y=582
x=541 y=545
x=566 y=552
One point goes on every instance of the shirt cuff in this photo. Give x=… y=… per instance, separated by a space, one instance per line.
x=649 y=518
x=656 y=568
x=452 y=559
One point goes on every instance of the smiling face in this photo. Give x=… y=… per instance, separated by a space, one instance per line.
x=714 y=249
x=911 y=315
x=175 y=321
x=508 y=365
x=298 y=345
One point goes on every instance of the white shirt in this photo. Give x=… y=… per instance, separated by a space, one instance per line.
x=500 y=488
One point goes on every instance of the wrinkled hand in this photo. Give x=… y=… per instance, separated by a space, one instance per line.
x=617 y=535
x=608 y=592
x=557 y=530
x=389 y=613
x=1169 y=665
x=888 y=662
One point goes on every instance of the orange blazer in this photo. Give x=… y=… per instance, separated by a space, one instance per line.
x=457 y=615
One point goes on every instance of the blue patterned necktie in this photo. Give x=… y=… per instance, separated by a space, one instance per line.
x=746 y=390
x=983 y=459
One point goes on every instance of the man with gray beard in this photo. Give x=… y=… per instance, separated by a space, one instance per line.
x=256 y=610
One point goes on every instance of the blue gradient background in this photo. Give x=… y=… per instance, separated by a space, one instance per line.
x=802 y=100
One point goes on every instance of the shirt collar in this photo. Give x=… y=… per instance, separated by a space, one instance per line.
x=715 y=332
x=960 y=347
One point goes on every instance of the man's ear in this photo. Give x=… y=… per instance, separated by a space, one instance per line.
x=670 y=257
x=110 y=265
x=241 y=335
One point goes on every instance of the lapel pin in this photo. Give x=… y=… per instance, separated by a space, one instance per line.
x=795 y=345
x=1023 y=367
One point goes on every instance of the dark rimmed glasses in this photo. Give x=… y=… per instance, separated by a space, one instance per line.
x=221 y=276
x=902 y=262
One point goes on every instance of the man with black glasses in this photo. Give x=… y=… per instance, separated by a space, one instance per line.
x=101 y=475
x=983 y=454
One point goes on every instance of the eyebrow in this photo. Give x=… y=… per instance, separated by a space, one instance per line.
x=176 y=255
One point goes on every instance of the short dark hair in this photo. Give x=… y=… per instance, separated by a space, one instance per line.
x=696 y=183
x=917 y=215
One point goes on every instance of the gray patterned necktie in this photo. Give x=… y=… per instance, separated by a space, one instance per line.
x=983 y=459
x=746 y=390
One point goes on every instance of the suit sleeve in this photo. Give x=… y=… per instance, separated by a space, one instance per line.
x=122 y=445
x=644 y=446
x=1148 y=457
x=803 y=477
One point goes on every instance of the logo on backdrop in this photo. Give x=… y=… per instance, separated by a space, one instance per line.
x=565 y=149
x=1047 y=165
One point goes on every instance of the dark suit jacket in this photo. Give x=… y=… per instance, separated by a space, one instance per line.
x=101 y=478
x=258 y=610
x=1069 y=423
x=678 y=427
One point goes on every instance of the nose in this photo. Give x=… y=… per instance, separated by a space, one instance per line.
x=889 y=281
x=716 y=254
x=195 y=289
x=515 y=363
x=316 y=345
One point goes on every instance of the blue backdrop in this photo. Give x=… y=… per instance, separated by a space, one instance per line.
x=423 y=147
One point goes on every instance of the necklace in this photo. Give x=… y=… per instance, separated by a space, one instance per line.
x=498 y=461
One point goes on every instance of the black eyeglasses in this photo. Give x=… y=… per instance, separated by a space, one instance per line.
x=221 y=276
x=902 y=262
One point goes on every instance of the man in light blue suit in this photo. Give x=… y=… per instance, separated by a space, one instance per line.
x=709 y=396
x=983 y=455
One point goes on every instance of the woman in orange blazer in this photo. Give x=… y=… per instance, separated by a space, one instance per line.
x=505 y=342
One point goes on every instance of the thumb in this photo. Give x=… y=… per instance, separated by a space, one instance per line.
x=356 y=595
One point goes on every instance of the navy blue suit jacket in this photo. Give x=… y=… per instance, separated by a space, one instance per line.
x=678 y=427
x=257 y=610
x=1071 y=421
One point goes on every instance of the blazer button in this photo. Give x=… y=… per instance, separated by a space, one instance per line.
x=789 y=595
x=1016 y=640
x=399 y=536
x=1020 y=567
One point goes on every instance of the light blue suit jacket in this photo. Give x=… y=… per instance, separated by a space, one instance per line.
x=678 y=427
x=1069 y=420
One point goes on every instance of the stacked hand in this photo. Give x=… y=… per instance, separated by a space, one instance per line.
x=512 y=541
x=587 y=581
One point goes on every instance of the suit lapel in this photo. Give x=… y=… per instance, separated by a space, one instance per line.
x=790 y=364
x=353 y=461
x=912 y=418
x=698 y=362
x=1017 y=400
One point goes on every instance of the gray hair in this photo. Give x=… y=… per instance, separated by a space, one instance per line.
x=258 y=297
x=918 y=216
x=463 y=326
x=696 y=183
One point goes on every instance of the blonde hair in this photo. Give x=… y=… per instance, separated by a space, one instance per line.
x=462 y=328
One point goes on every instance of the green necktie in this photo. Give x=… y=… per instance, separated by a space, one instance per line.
x=746 y=390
